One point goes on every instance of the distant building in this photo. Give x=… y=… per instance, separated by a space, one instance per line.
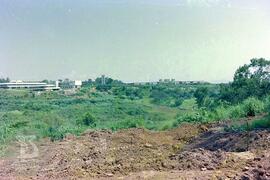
x=78 y=84
x=143 y=83
x=167 y=81
x=37 y=86
x=88 y=82
x=57 y=83
x=65 y=84
x=68 y=84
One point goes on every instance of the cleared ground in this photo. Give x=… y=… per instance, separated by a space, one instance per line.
x=188 y=152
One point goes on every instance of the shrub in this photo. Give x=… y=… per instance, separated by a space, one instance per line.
x=267 y=104
x=197 y=117
x=87 y=120
x=221 y=113
x=257 y=124
x=135 y=111
x=262 y=123
x=237 y=112
x=128 y=123
x=19 y=124
x=166 y=127
x=253 y=106
x=209 y=103
x=138 y=123
x=177 y=103
x=200 y=94
x=155 y=117
x=175 y=124
x=51 y=126
x=55 y=133
x=37 y=106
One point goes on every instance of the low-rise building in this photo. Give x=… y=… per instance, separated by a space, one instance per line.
x=38 y=86
x=78 y=83
x=69 y=84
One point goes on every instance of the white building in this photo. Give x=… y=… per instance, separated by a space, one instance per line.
x=69 y=84
x=78 y=83
x=38 y=86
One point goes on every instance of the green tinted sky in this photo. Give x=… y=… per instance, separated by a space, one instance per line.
x=131 y=40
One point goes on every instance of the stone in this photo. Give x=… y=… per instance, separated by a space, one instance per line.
x=148 y=145
x=203 y=169
x=246 y=169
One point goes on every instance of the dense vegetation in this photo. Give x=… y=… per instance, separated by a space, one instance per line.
x=115 y=105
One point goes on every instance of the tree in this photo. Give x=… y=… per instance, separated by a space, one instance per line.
x=45 y=81
x=107 y=84
x=158 y=95
x=200 y=94
x=108 y=81
x=249 y=80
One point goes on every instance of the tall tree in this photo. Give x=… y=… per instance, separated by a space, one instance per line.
x=249 y=80
x=200 y=94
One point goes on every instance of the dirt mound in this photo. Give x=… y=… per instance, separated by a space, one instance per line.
x=187 y=152
x=199 y=159
x=105 y=154
x=232 y=141
x=257 y=168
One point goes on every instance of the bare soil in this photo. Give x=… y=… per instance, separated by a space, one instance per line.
x=188 y=152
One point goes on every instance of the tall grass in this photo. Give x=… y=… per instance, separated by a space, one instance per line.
x=249 y=107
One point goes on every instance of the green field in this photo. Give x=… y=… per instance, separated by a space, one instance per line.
x=53 y=114
x=117 y=106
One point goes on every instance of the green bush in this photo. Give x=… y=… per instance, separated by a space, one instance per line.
x=128 y=123
x=257 y=124
x=87 y=120
x=267 y=104
x=166 y=127
x=237 y=112
x=55 y=133
x=50 y=126
x=155 y=117
x=221 y=113
x=195 y=117
x=262 y=123
x=177 y=102
x=209 y=103
x=253 y=106
x=175 y=124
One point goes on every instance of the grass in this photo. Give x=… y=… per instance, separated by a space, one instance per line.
x=262 y=123
x=54 y=114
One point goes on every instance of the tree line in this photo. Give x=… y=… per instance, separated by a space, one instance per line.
x=4 y=80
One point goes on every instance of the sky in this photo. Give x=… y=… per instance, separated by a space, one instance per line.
x=131 y=40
